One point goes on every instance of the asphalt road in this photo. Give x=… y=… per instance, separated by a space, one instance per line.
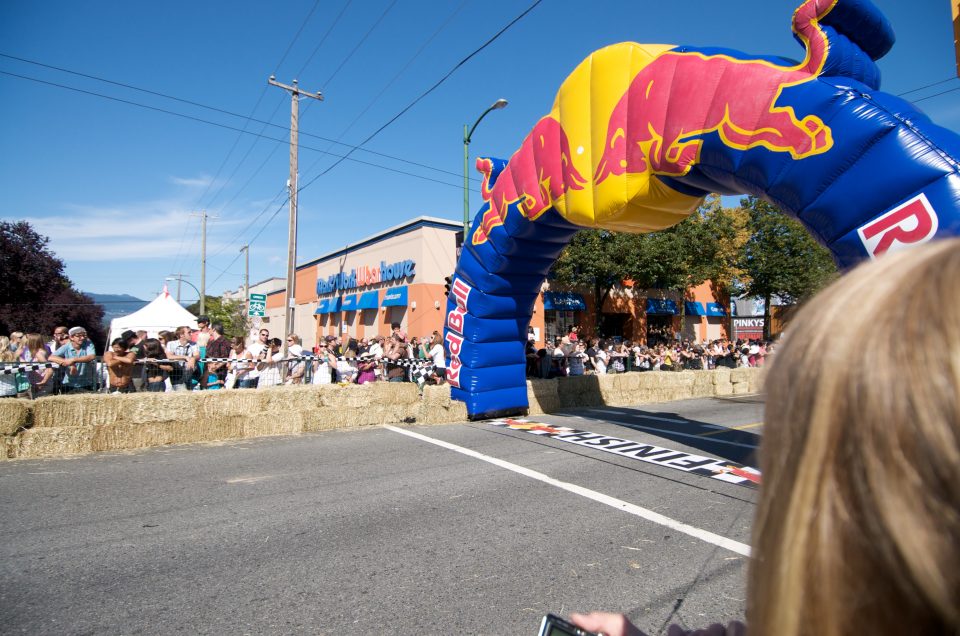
x=374 y=531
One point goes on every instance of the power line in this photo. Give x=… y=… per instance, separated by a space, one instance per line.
x=914 y=90
x=391 y=82
x=427 y=92
x=358 y=45
x=200 y=105
x=228 y=127
x=937 y=94
x=323 y=39
x=253 y=143
x=393 y=119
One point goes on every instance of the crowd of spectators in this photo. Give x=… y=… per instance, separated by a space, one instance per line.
x=205 y=360
x=575 y=354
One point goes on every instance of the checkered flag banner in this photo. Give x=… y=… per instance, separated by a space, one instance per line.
x=20 y=367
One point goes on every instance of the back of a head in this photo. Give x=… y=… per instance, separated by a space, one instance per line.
x=858 y=525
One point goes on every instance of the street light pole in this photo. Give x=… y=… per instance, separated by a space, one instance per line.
x=179 y=280
x=467 y=134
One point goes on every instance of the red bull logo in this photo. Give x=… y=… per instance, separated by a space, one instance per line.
x=681 y=96
x=538 y=174
x=455 y=329
x=907 y=224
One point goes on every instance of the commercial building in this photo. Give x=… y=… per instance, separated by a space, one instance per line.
x=397 y=276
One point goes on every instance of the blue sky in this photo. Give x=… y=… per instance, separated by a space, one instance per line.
x=114 y=184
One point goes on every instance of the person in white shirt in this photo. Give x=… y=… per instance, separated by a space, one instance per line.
x=184 y=350
x=268 y=366
x=258 y=351
x=437 y=356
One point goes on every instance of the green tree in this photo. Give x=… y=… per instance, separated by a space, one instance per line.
x=35 y=294
x=231 y=313
x=597 y=260
x=703 y=247
x=781 y=258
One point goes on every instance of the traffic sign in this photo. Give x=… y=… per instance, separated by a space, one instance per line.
x=258 y=305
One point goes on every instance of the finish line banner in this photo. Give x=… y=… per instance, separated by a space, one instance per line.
x=713 y=468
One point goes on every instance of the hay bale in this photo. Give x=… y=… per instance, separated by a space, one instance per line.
x=110 y=437
x=61 y=411
x=365 y=395
x=543 y=396
x=271 y=424
x=437 y=407
x=14 y=415
x=721 y=375
x=436 y=396
x=725 y=388
x=282 y=398
x=741 y=375
x=147 y=435
x=9 y=447
x=756 y=380
x=703 y=384
x=230 y=403
x=578 y=391
x=149 y=408
x=55 y=441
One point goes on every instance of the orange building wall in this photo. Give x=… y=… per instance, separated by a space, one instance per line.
x=275 y=300
x=305 y=286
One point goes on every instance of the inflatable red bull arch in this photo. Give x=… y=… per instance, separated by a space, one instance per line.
x=638 y=135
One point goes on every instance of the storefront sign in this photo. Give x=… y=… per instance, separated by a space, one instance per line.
x=364 y=276
x=748 y=328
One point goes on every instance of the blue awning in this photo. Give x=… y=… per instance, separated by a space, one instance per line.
x=715 y=309
x=349 y=303
x=661 y=306
x=694 y=308
x=396 y=297
x=368 y=300
x=563 y=301
x=328 y=305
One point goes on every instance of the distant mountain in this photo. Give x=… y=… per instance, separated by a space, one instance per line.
x=116 y=305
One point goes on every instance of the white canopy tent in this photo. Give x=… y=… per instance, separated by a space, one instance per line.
x=163 y=314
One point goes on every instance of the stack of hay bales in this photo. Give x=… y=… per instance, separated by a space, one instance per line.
x=336 y=406
x=76 y=424
x=745 y=380
x=543 y=396
x=14 y=416
x=436 y=407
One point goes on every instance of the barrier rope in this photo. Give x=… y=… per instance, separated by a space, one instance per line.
x=10 y=368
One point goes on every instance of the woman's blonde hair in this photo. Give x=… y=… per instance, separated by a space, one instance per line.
x=858 y=526
x=5 y=354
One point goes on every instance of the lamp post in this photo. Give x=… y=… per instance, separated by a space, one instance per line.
x=180 y=280
x=467 y=134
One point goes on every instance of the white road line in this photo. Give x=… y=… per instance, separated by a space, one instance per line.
x=649 y=515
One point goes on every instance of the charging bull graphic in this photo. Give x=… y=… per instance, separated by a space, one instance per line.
x=651 y=129
x=638 y=135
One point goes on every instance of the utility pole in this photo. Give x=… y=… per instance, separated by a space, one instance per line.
x=295 y=94
x=203 y=260
x=246 y=276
